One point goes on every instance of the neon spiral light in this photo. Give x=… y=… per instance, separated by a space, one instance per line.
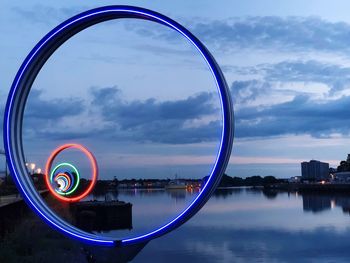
x=21 y=87
x=70 y=176
x=63 y=183
x=66 y=179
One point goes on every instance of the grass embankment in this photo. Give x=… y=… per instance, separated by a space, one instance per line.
x=34 y=241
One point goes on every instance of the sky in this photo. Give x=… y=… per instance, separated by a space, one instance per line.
x=144 y=102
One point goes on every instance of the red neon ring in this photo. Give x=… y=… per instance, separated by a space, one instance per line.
x=94 y=171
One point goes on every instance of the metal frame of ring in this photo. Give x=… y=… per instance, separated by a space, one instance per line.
x=18 y=96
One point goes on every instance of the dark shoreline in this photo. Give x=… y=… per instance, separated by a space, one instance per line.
x=311 y=187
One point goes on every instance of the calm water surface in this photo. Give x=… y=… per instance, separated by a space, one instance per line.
x=244 y=225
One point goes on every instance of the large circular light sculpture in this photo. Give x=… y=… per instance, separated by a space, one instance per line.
x=21 y=87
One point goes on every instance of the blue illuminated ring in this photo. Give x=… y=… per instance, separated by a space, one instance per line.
x=18 y=96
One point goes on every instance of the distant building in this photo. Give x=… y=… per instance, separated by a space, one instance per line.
x=342 y=176
x=304 y=170
x=314 y=170
x=294 y=179
x=332 y=170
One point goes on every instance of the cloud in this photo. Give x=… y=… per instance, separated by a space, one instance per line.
x=190 y=120
x=290 y=33
x=38 y=108
x=194 y=119
x=248 y=90
x=160 y=121
x=280 y=82
x=135 y=113
x=43 y=14
x=336 y=77
x=48 y=114
x=301 y=115
x=129 y=160
x=185 y=121
x=264 y=32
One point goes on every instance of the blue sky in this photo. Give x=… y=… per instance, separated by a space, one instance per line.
x=143 y=101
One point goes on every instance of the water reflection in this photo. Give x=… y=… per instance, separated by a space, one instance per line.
x=270 y=194
x=226 y=245
x=227 y=192
x=270 y=207
x=173 y=193
x=106 y=196
x=321 y=202
x=242 y=225
x=311 y=202
x=258 y=225
x=254 y=190
x=316 y=203
x=151 y=208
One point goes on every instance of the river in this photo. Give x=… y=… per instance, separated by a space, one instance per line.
x=243 y=225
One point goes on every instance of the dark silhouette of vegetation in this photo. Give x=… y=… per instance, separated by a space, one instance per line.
x=8 y=187
x=256 y=180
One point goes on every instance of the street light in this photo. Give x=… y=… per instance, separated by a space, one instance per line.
x=32 y=167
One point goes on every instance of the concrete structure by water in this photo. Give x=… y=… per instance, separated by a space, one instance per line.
x=102 y=215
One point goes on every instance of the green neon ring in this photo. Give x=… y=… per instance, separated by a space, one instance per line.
x=76 y=172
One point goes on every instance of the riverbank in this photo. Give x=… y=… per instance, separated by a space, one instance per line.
x=26 y=238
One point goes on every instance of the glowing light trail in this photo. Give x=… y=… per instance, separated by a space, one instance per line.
x=49 y=179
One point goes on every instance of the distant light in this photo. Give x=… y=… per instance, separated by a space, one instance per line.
x=32 y=166
x=38 y=171
x=333 y=204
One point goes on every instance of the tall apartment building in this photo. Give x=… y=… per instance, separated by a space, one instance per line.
x=314 y=170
